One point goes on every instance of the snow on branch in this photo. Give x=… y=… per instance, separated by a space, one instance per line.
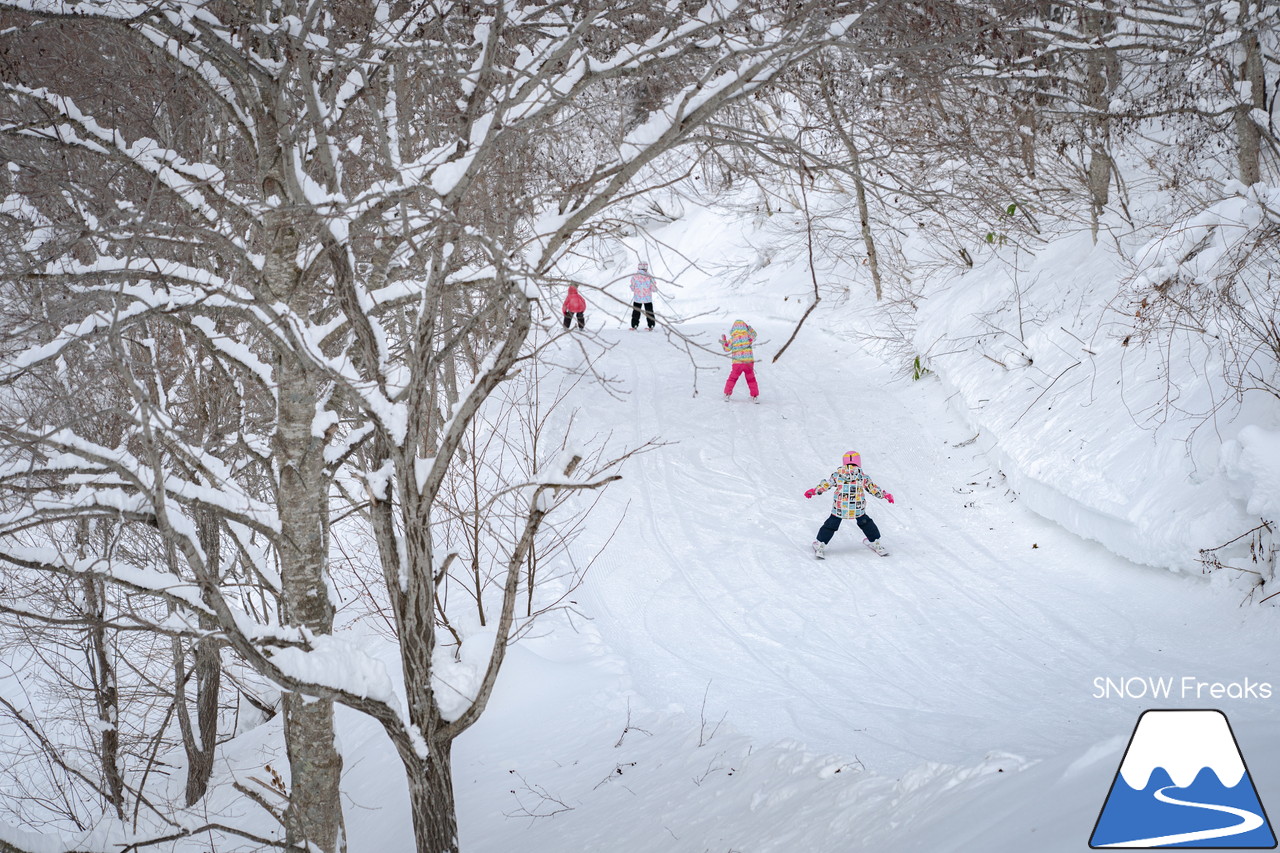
x=132 y=484
x=161 y=584
x=189 y=182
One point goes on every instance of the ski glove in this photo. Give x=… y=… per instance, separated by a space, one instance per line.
x=810 y=493
x=888 y=497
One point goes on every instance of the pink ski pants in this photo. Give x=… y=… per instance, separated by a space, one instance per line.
x=742 y=368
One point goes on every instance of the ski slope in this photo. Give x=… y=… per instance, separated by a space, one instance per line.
x=970 y=652
x=985 y=628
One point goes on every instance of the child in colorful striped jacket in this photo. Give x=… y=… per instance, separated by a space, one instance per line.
x=851 y=484
x=738 y=345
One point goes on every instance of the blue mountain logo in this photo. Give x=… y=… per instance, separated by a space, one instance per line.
x=1183 y=783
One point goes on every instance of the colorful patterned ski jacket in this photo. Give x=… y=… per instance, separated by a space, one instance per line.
x=642 y=287
x=738 y=344
x=851 y=485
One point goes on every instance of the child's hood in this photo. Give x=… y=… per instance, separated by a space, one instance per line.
x=740 y=327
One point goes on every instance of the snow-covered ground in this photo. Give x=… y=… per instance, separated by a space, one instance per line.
x=729 y=692
x=941 y=698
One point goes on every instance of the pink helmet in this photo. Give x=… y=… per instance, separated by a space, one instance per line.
x=853 y=457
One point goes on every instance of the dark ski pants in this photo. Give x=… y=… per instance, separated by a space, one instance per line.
x=648 y=314
x=569 y=315
x=832 y=524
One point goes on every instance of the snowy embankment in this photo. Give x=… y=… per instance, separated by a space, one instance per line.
x=1140 y=448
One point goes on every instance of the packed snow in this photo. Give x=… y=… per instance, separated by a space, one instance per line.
x=711 y=686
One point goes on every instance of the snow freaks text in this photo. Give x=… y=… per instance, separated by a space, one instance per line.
x=1170 y=687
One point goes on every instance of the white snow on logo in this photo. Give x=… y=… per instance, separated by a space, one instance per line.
x=1183 y=743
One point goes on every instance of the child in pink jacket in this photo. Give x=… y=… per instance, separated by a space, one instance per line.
x=574 y=305
x=738 y=345
x=851 y=484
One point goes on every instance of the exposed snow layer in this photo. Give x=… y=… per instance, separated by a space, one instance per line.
x=1074 y=412
x=1252 y=463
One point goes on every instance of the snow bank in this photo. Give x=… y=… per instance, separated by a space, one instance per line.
x=1118 y=443
x=1252 y=464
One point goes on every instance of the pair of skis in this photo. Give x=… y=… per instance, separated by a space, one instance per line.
x=881 y=551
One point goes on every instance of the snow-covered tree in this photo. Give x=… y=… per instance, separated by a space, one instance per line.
x=308 y=240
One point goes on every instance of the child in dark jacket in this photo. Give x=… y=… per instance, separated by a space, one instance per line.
x=575 y=305
x=851 y=484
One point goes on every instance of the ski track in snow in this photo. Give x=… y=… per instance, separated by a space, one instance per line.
x=964 y=640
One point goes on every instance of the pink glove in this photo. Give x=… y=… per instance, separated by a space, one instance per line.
x=888 y=497
x=809 y=493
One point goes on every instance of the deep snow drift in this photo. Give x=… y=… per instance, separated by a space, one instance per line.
x=1141 y=448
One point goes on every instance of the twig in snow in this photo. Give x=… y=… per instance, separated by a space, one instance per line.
x=703 y=737
x=629 y=728
x=1042 y=393
x=614 y=773
x=698 y=780
x=546 y=805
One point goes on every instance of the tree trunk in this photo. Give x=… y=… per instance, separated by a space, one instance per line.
x=200 y=741
x=435 y=825
x=208 y=672
x=864 y=218
x=1101 y=77
x=1251 y=77
x=1099 y=182
x=314 y=815
x=105 y=692
x=864 y=215
x=1027 y=127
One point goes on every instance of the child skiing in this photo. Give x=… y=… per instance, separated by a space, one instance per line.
x=738 y=345
x=574 y=304
x=642 y=288
x=851 y=485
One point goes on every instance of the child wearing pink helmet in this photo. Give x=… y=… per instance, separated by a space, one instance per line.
x=851 y=484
